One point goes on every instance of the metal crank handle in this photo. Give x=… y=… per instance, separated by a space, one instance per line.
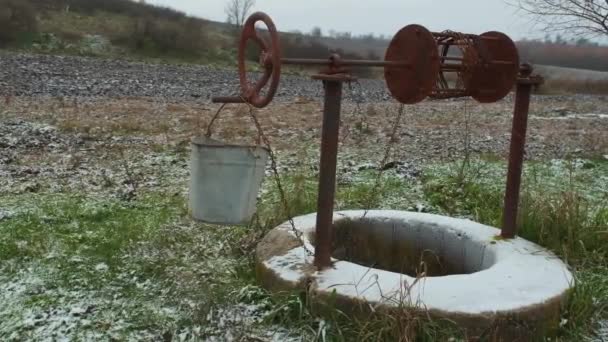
x=227 y=99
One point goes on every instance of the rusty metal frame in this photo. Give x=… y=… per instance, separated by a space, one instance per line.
x=525 y=83
x=408 y=86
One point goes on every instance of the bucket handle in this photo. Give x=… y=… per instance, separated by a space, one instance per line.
x=209 y=131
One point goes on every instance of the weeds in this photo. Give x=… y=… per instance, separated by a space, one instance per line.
x=574 y=86
x=132 y=181
x=325 y=322
x=170 y=274
x=17 y=20
x=560 y=210
x=563 y=208
x=77 y=224
x=136 y=259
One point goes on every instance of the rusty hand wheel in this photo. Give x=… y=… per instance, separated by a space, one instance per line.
x=270 y=59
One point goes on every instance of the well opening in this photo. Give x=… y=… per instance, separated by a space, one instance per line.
x=415 y=248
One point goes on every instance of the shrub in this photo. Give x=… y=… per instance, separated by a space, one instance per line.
x=155 y=30
x=125 y=7
x=17 y=18
x=152 y=35
x=574 y=86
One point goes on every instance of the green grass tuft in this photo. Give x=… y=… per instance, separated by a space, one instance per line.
x=563 y=208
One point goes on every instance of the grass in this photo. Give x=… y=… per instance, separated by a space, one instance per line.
x=563 y=208
x=168 y=276
x=75 y=223
x=563 y=203
x=74 y=33
x=108 y=256
x=574 y=86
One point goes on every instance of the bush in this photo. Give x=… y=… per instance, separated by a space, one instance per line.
x=186 y=36
x=154 y=31
x=125 y=7
x=17 y=18
x=574 y=86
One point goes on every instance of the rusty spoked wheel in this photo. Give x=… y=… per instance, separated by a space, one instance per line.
x=270 y=59
x=496 y=72
x=416 y=45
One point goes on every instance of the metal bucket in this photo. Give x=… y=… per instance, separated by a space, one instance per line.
x=225 y=180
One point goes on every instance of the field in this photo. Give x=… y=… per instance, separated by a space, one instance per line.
x=569 y=80
x=124 y=29
x=95 y=238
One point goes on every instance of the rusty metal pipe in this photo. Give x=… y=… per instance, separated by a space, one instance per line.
x=343 y=62
x=327 y=173
x=451 y=43
x=460 y=59
x=227 y=99
x=516 y=155
x=451 y=65
x=440 y=35
x=449 y=35
x=305 y=61
x=448 y=58
x=366 y=63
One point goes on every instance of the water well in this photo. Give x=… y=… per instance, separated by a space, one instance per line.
x=473 y=277
x=485 y=279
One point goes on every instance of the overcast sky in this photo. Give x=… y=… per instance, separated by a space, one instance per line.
x=377 y=16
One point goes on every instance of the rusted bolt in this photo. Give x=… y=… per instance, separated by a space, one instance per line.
x=526 y=70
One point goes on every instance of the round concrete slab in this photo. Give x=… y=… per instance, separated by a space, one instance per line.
x=451 y=268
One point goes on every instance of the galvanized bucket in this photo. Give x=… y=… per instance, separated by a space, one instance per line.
x=225 y=180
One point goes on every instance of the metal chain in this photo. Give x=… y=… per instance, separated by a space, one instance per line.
x=208 y=131
x=210 y=125
x=357 y=97
x=387 y=154
x=277 y=177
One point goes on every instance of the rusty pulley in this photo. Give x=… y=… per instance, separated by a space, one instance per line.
x=418 y=64
x=484 y=67
x=416 y=45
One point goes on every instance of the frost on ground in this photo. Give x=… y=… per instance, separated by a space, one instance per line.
x=171 y=281
x=96 y=242
x=603 y=331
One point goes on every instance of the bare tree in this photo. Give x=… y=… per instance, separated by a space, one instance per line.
x=577 y=17
x=237 y=12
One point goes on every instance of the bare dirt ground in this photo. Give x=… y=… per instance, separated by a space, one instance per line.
x=46 y=139
x=433 y=130
x=168 y=104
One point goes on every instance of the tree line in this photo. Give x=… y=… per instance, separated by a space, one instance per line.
x=151 y=27
x=564 y=54
x=167 y=31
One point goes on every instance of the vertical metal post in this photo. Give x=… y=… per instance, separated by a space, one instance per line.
x=516 y=155
x=327 y=172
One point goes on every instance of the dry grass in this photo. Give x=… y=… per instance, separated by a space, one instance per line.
x=574 y=86
x=427 y=127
